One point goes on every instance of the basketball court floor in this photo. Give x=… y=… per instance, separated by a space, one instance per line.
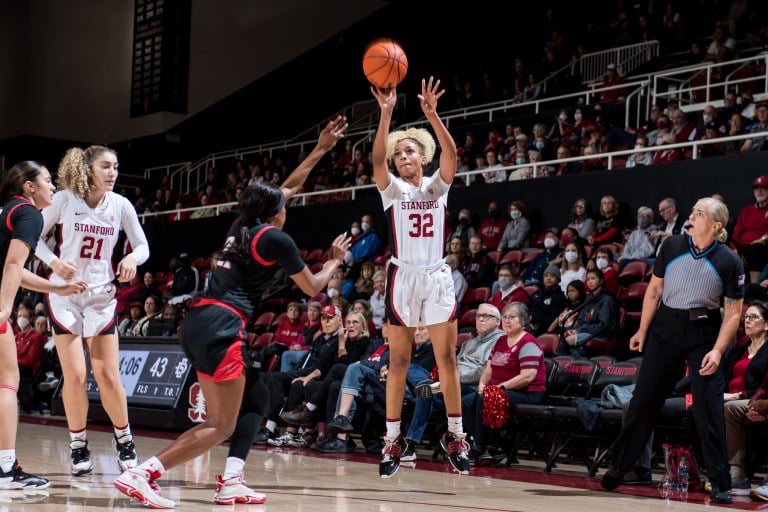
x=305 y=481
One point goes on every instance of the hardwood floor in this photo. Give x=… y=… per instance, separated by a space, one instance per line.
x=301 y=480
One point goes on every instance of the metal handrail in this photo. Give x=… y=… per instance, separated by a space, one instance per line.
x=301 y=199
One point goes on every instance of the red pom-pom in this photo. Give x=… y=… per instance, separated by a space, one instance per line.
x=434 y=375
x=495 y=407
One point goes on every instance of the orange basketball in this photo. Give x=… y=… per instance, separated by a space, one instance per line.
x=384 y=63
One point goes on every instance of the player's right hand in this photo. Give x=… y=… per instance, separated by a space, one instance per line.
x=71 y=288
x=637 y=341
x=65 y=269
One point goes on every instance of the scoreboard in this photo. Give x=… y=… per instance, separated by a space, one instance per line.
x=159 y=384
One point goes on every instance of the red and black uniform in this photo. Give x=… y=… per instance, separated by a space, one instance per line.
x=19 y=220
x=213 y=331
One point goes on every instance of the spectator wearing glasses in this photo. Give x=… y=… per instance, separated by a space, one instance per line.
x=672 y=225
x=581 y=218
x=471 y=361
x=515 y=365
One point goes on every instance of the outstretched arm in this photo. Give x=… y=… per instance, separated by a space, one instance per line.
x=332 y=132
x=430 y=93
x=387 y=99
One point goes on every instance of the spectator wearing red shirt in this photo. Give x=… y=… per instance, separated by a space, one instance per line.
x=29 y=352
x=604 y=261
x=509 y=290
x=612 y=78
x=288 y=331
x=492 y=227
x=751 y=232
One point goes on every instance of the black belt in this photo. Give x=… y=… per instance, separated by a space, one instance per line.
x=698 y=314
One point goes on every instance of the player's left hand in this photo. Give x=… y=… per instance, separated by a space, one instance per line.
x=430 y=93
x=126 y=269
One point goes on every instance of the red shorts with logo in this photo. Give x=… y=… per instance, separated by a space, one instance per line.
x=213 y=337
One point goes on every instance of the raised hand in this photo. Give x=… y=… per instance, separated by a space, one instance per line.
x=332 y=132
x=430 y=93
x=340 y=246
x=387 y=98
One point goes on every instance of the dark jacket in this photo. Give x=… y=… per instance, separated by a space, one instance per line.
x=329 y=355
x=478 y=269
x=545 y=304
x=756 y=369
x=599 y=317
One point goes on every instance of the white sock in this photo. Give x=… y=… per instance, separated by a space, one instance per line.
x=455 y=425
x=311 y=406
x=271 y=426
x=234 y=467
x=78 y=438
x=7 y=458
x=393 y=429
x=120 y=433
x=153 y=466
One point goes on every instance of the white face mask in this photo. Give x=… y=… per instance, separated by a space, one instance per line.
x=549 y=243
x=365 y=226
x=706 y=118
x=504 y=282
x=355 y=231
x=563 y=117
x=571 y=256
x=514 y=214
x=638 y=146
x=601 y=263
x=22 y=322
x=577 y=117
x=333 y=293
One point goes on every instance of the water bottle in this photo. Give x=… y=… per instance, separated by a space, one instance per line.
x=682 y=478
x=667 y=482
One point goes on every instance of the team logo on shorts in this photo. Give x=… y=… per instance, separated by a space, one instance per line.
x=196 y=412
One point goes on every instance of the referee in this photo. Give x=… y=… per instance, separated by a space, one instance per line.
x=681 y=322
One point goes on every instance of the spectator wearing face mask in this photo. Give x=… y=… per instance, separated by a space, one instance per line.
x=534 y=272
x=641 y=157
x=463 y=229
x=641 y=243
x=368 y=245
x=516 y=231
x=29 y=352
x=509 y=290
x=492 y=227
x=572 y=268
x=604 y=262
x=354 y=230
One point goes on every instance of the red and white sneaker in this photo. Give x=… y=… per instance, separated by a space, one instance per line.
x=233 y=490
x=138 y=484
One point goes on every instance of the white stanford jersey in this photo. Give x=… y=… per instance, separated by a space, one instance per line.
x=88 y=236
x=416 y=219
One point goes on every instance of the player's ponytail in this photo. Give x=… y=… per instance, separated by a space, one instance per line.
x=17 y=177
x=74 y=169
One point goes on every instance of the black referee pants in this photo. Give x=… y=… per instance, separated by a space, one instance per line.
x=672 y=341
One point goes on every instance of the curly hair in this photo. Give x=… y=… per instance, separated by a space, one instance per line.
x=420 y=136
x=75 y=169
